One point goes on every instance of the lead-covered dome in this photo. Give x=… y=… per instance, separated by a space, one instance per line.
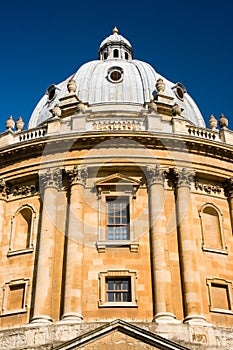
x=116 y=83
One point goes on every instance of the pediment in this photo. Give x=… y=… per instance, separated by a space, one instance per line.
x=117 y=179
x=120 y=335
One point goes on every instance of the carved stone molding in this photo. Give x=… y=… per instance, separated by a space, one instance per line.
x=180 y=177
x=208 y=188
x=3 y=189
x=51 y=178
x=23 y=191
x=78 y=175
x=155 y=175
x=228 y=187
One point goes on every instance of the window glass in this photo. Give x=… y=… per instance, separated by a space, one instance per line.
x=118 y=289
x=118 y=218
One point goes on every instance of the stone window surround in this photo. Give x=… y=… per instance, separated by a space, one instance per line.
x=117 y=273
x=221 y=283
x=30 y=247
x=223 y=249
x=25 y=282
x=126 y=187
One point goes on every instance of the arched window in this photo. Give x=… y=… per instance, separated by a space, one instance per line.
x=212 y=228
x=22 y=226
x=105 y=55
x=126 y=55
x=115 y=53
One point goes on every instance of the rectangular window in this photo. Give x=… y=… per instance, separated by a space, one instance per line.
x=118 y=218
x=14 y=296
x=118 y=290
x=220 y=299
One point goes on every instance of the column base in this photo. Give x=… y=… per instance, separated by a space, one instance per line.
x=196 y=319
x=165 y=317
x=71 y=317
x=41 y=320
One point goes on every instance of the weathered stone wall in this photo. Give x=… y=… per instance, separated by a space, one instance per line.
x=46 y=338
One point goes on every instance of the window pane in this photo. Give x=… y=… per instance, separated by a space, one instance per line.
x=111 y=220
x=118 y=297
x=110 y=297
x=125 y=297
x=125 y=285
x=110 y=285
x=118 y=285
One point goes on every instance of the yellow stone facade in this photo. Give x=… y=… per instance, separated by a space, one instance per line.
x=57 y=257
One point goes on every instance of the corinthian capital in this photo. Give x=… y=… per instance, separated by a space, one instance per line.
x=155 y=175
x=78 y=175
x=181 y=177
x=228 y=187
x=51 y=178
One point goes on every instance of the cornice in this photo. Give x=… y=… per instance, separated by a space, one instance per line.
x=58 y=143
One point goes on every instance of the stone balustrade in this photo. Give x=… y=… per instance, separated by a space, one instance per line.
x=31 y=134
x=203 y=133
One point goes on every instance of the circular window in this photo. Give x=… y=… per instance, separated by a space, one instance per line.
x=51 y=92
x=115 y=74
x=180 y=91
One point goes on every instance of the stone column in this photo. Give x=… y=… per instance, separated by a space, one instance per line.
x=3 y=196
x=192 y=296
x=228 y=189
x=161 y=275
x=74 y=248
x=50 y=182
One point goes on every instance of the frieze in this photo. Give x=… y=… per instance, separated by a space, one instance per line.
x=208 y=188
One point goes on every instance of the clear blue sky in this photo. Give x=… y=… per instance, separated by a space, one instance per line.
x=43 y=42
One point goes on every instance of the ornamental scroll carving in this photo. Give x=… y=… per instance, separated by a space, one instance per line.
x=51 y=178
x=155 y=175
x=208 y=188
x=78 y=175
x=4 y=190
x=180 y=177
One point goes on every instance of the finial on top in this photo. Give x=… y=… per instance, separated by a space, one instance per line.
x=115 y=30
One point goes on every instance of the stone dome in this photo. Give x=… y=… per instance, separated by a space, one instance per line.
x=116 y=83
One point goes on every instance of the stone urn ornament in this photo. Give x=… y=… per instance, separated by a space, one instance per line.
x=223 y=121
x=19 y=124
x=71 y=86
x=10 y=123
x=160 y=86
x=56 y=111
x=213 y=122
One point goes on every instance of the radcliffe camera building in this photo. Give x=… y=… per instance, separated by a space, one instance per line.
x=116 y=214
